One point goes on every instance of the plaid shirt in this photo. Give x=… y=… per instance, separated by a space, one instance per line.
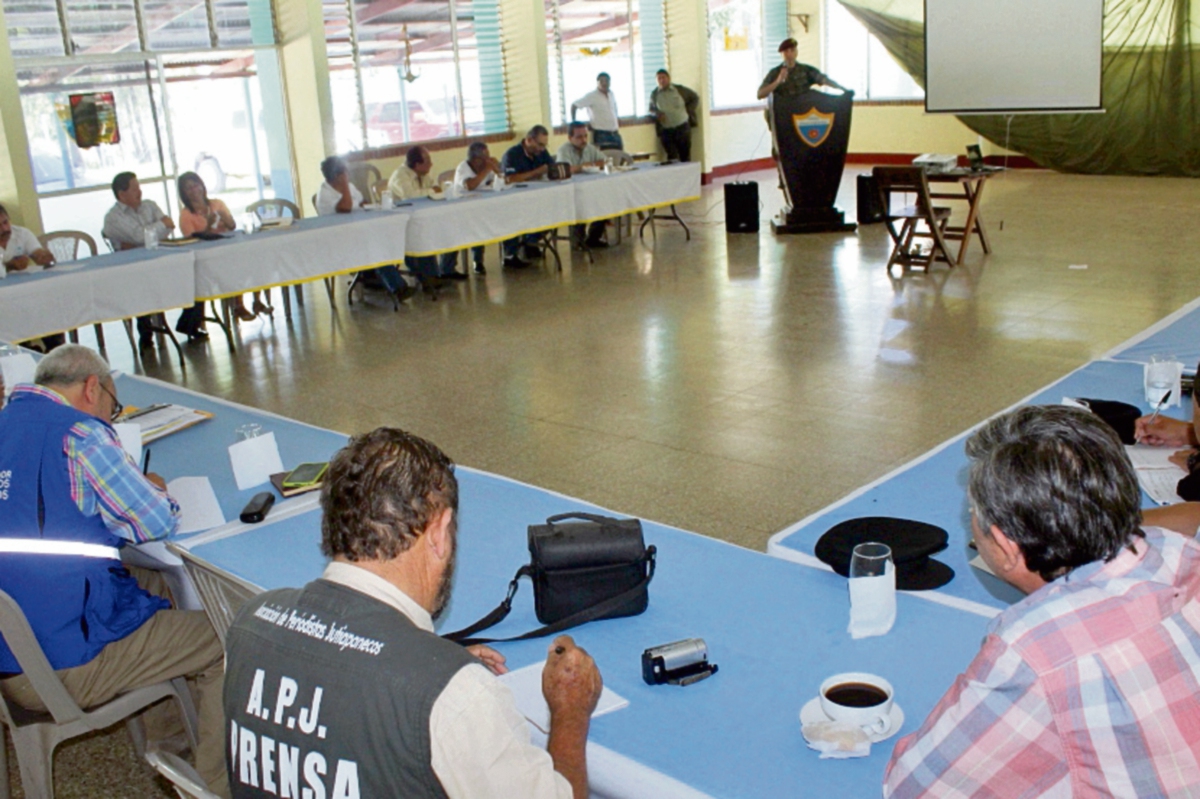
x=105 y=480
x=1088 y=687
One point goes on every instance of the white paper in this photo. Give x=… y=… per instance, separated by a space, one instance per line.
x=255 y=460
x=872 y=604
x=130 y=434
x=1160 y=484
x=198 y=505
x=1144 y=456
x=18 y=368
x=526 y=685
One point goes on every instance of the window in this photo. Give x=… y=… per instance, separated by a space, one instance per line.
x=735 y=48
x=857 y=60
x=402 y=72
x=585 y=38
x=187 y=99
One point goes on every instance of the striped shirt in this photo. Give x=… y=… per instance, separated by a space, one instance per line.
x=105 y=480
x=1088 y=687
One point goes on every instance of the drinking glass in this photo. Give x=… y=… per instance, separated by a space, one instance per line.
x=870 y=560
x=1160 y=377
x=248 y=431
x=150 y=236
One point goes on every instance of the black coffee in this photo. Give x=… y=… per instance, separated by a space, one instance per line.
x=856 y=694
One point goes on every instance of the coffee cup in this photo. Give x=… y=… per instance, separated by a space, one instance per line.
x=858 y=698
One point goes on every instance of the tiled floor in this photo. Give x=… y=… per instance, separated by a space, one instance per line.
x=734 y=384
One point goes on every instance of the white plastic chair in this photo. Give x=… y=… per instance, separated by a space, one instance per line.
x=183 y=778
x=35 y=735
x=220 y=592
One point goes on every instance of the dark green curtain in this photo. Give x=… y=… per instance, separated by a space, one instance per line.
x=1151 y=74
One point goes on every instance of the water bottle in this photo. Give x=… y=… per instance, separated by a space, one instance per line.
x=150 y=236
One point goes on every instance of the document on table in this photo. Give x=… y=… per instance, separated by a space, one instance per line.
x=198 y=505
x=159 y=421
x=1157 y=476
x=526 y=685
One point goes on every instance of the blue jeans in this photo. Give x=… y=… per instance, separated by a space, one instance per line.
x=607 y=139
x=511 y=245
x=391 y=278
x=450 y=259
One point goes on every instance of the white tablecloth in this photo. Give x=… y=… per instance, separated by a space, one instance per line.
x=485 y=216
x=648 y=186
x=310 y=249
x=100 y=289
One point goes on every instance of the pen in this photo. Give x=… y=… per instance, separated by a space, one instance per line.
x=1161 y=403
x=146 y=462
x=143 y=411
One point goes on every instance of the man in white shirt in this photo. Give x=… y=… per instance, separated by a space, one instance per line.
x=338 y=195
x=19 y=247
x=578 y=153
x=413 y=180
x=125 y=227
x=376 y=704
x=602 y=109
x=479 y=172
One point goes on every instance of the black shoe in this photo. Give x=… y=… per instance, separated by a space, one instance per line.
x=146 y=341
x=533 y=253
x=480 y=269
x=406 y=292
x=597 y=245
x=453 y=276
x=514 y=262
x=198 y=335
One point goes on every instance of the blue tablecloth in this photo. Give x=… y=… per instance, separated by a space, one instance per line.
x=1178 y=335
x=933 y=488
x=776 y=631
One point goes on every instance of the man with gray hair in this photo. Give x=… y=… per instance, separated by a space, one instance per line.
x=1090 y=686
x=70 y=498
x=479 y=172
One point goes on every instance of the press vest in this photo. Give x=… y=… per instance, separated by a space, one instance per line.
x=328 y=692
x=69 y=580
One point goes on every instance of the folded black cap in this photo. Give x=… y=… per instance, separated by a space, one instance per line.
x=911 y=542
x=1120 y=416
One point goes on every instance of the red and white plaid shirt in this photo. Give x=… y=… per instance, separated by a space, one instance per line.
x=1088 y=687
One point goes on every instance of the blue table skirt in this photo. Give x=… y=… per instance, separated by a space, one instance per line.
x=1177 y=335
x=934 y=489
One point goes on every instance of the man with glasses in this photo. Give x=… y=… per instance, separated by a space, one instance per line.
x=578 y=153
x=70 y=498
x=524 y=161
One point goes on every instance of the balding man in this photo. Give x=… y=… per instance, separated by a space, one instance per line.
x=65 y=481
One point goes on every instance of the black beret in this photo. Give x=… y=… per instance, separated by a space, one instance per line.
x=911 y=542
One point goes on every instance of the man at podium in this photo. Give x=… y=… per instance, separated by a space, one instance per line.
x=791 y=77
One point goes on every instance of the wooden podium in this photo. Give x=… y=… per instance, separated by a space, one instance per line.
x=810 y=133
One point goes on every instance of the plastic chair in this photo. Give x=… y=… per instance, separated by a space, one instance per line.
x=920 y=220
x=64 y=246
x=273 y=209
x=35 y=735
x=220 y=592
x=183 y=778
x=363 y=175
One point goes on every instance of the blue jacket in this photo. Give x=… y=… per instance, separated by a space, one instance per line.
x=75 y=603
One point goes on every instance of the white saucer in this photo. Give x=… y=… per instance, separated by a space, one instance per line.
x=812 y=713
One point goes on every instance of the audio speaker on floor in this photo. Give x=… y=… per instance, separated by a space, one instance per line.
x=870 y=204
x=741 y=207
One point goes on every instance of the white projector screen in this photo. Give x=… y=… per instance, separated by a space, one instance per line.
x=988 y=56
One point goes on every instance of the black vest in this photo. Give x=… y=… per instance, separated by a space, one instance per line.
x=329 y=689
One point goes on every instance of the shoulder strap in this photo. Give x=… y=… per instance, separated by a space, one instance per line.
x=502 y=610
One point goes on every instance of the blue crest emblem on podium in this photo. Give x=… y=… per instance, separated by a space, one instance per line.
x=813 y=127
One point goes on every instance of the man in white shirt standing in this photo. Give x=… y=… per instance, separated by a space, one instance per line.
x=347 y=678
x=602 y=109
x=19 y=247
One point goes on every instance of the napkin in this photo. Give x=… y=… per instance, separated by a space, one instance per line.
x=872 y=604
x=836 y=739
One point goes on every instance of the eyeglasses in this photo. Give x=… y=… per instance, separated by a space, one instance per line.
x=117 y=406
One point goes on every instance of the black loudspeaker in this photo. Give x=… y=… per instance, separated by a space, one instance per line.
x=741 y=207
x=870 y=204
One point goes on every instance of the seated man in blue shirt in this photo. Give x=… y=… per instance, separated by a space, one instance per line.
x=525 y=161
x=70 y=493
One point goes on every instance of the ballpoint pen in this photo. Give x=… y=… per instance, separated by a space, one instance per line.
x=1160 y=405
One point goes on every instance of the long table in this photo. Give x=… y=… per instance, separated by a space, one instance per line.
x=776 y=630
x=103 y=288
x=134 y=282
x=932 y=489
